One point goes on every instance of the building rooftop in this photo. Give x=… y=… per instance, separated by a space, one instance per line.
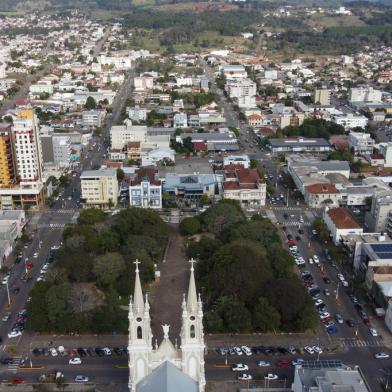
x=293 y=142
x=149 y=174
x=322 y=189
x=98 y=173
x=343 y=218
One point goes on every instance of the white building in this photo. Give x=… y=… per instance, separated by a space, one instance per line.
x=350 y=120
x=27 y=147
x=243 y=90
x=364 y=94
x=120 y=135
x=99 y=188
x=93 y=118
x=340 y=221
x=143 y=82
x=361 y=142
x=180 y=120
x=386 y=151
x=151 y=368
x=137 y=114
x=118 y=62
x=237 y=160
x=145 y=189
x=234 y=71
x=152 y=157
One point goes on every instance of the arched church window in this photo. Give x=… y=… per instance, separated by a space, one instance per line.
x=139 y=333
x=192 y=331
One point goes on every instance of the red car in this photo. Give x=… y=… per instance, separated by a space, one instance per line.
x=283 y=363
x=18 y=380
x=72 y=352
x=29 y=265
x=327 y=319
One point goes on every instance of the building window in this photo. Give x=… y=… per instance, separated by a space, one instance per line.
x=139 y=332
x=192 y=332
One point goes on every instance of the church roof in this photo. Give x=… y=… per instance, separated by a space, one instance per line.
x=167 y=378
x=192 y=296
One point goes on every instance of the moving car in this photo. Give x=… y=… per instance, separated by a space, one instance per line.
x=373 y=331
x=339 y=318
x=14 y=333
x=244 y=377
x=381 y=355
x=263 y=364
x=75 y=361
x=81 y=378
x=271 y=376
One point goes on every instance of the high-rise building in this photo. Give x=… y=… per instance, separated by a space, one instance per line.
x=321 y=96
x=7 y=157
x=27 y=146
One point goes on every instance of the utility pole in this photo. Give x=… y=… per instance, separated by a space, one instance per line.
x=8 y=294
x=337 y=291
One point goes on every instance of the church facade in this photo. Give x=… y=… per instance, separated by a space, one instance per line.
x=166 y=367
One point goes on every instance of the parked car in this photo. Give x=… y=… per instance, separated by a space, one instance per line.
x=81 y=378
x=244 y=377
x=309 y=349
x=263 y=364
x=283 y=363
x=339 y=318
x=271 y=376
x=239 y=367
x=238 y=350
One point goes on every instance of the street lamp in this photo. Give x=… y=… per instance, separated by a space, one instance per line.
x=337 y=291
x=8 y=294
x=25 y=263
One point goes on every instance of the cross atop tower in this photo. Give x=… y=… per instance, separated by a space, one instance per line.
x=137 y=262
x=192 y=261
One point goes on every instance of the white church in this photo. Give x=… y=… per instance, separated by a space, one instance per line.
x=166 y=368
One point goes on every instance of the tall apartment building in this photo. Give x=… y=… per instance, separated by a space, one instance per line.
x=56 y=149
x=27 y=146
x=243 y=90
x=99 y=188
x=377 y=219
x=364 y=94
x=121 y=135
x=27 y=190
x=362 y=143
x=8 y=173
x=321 y=96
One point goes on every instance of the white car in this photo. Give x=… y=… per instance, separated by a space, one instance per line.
x=107 y=351
x=238 y=350
x=316 y=259
x=75 y=361
x=310 y=260
x=373 y=331
x=35 y=255
x=53 y=352
x=298 y=361
x=317 y=350
x=239 y=367
x=14 y=334
x=324 y=315
x=309 y=349
x=319 y=302
x=271 y=376
x=345 y=283
x=340 y=277
x=245 y=377
x=5 y=280
x=81 y=378
x=247 y=351
x=263 y=364
x=381 y=355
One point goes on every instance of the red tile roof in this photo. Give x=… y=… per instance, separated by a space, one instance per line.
x=146 y=172
x=324 y=189
x=343 y=218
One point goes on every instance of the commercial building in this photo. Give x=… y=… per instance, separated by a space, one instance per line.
x=145 y=189
x=8 y=174
x=321 y=195
x=328 y=376
x=120 y=135
x=144 y=82
x=56 y=149
x=350 y=120
x=242 y=160
x=298 y=145
x=99 y=188
x=180 y=120
x=321 y=96
x=233 y=71
x=190 y=188
x=340 y=221
x=361 y=143
x=364 y=94
x=385 y=150
x=245 y=186
x=378 y=217
x=137 y=114
x=93 y=118
x=243 y=91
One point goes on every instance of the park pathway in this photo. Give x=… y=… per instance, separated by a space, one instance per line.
x=166 y=295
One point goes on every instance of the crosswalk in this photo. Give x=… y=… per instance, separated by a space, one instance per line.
x=16 y=362
x=64 y=211
x=51 y=225
x=352 y=342
x=283 y=208
x=295 y=223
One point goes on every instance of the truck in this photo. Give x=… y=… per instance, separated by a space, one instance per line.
x=53 y=376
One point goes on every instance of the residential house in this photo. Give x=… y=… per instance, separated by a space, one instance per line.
x=321 y=195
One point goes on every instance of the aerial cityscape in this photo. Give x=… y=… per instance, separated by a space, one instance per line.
x=195 y=196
